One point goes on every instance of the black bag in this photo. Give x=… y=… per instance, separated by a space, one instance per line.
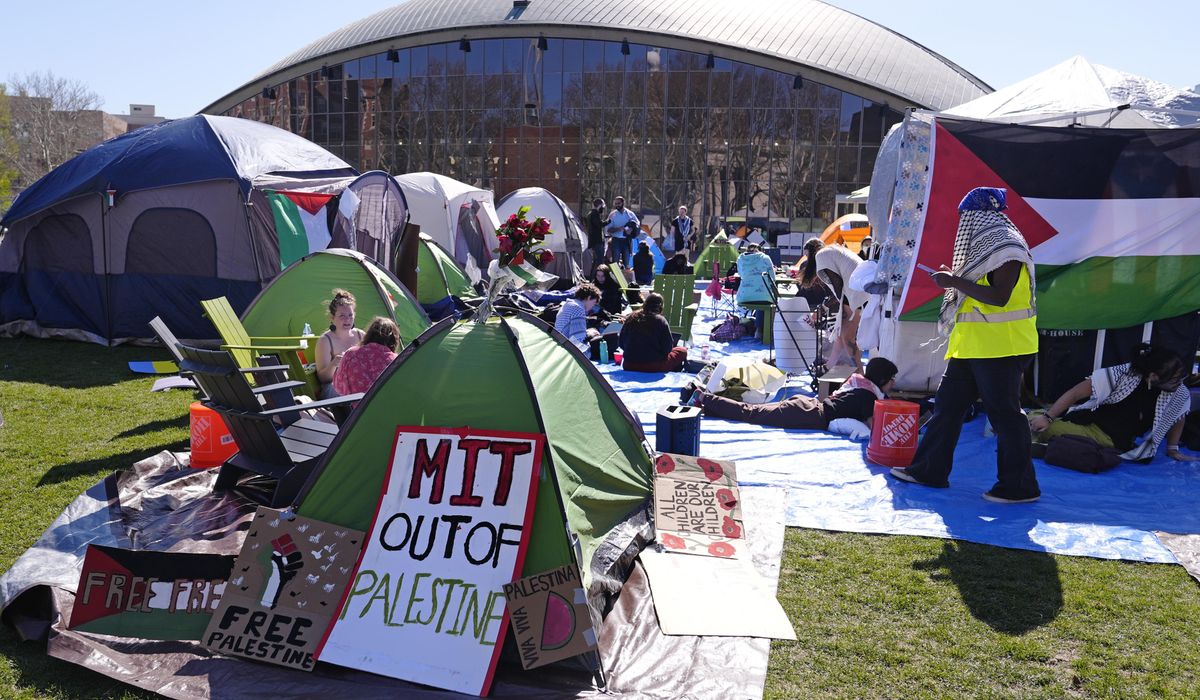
x=1081 y=454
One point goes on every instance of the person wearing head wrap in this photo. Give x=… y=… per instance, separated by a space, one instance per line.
x=835 y=265
x=990 y=317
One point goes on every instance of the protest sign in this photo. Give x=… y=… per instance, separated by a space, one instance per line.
x=550 y=616
x=148 y=595
x=285 y=589
x=697 y=506
x=426 y=603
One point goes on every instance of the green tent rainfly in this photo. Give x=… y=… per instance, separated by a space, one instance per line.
x=513 y=374
x=300 y=294
x=438 y=275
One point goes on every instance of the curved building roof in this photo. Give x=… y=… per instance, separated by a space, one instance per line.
x=808 y=37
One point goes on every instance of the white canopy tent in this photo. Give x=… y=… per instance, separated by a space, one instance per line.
x=567 y=241
x=459 y=217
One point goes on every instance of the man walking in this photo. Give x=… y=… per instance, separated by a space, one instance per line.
x=990 y=317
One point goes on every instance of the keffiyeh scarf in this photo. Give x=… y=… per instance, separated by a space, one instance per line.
x=860 y=381
x=1112 y=385
x=986 y=239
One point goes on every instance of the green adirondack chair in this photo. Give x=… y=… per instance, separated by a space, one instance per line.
x=679 y=302
x=245 y=350
x=721 y=252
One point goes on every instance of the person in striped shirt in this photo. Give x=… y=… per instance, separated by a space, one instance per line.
x=572 y=317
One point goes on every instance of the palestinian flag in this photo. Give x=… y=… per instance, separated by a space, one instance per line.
x=147 y=594
x=301 y=223
x=1112 y=217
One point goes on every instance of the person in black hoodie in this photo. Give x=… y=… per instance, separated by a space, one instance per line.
x=612 y=299
x=678 y=265
x=647 y=341
x=596 y=221
x=643 y=266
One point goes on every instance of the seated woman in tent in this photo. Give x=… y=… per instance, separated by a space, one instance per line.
x=612 y=298
x=333 y=344
x=647 y=341
x=572 y=317
x=361 y=365
x=835 y=264
x=1143 y=398
x=854 y=400
x=643 y=265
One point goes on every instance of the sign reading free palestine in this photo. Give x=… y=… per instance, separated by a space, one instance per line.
x=426 y=602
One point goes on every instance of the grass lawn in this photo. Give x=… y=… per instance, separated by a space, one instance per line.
x=877 y=617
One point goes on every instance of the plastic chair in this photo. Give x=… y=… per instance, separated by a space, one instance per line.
x=679 y=302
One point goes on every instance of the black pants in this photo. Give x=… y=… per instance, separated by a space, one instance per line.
x=997 y=382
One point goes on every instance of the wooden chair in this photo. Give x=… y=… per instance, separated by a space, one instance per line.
x=615 y=271
x=244 y=348
x=679 y=302
x=285 y=451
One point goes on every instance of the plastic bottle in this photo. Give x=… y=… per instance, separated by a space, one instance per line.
x=307 y=334
x=604 y=352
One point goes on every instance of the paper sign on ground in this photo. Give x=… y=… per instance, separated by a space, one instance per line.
x=734 y=600
x=426 y=601
x=697 y=506
x=285 y=589
x=148 y=595
x=550 y=616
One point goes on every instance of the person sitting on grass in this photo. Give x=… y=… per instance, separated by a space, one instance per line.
x=572 y=317
x=1123 y=403
x=647 y=341
x=855 y=399
x=362 y=365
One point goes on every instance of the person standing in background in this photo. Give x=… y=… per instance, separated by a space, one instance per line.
x=595 y=234
x=682 y=233
x=990 y=317
x=622 y=224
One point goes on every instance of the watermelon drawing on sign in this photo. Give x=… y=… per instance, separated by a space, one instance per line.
x=558 y=627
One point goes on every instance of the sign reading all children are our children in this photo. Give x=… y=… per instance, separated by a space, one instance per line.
x=426 y=602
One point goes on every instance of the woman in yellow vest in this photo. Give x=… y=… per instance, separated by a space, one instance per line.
x=990 y=316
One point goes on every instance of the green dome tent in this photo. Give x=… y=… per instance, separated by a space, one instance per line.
x=300 y=294
x=438 y=275
x=509 y=374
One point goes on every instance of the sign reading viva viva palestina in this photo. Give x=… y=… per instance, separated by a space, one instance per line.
x=426 y=602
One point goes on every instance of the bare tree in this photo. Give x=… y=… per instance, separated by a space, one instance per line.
x=50 y=123
x=8 y=153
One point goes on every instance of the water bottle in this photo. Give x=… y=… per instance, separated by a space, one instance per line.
x=307 y=334
x=604 y=352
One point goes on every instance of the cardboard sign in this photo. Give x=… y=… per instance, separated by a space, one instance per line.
x=148 y=595
x=697 y=506
x=285 y=588
x=550 y=616
x=426 y=602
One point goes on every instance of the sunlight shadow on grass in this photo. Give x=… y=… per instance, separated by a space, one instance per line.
x=105 y=465
x=1011 y=591
x=155 y=426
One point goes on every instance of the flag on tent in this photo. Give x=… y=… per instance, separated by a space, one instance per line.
x=300 y=223
x=1112 y=217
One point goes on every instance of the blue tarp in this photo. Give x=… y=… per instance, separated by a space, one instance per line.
x=831 y=485
x=194 y=149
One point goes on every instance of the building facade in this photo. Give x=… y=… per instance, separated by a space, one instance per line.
x=589 y=107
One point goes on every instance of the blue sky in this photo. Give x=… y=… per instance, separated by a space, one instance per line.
x=182 y=56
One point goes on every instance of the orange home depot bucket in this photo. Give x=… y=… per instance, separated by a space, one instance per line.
x=894 y=433
x=211 y=442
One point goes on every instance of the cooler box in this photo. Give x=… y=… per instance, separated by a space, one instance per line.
x=211 y=442
x=677 y=430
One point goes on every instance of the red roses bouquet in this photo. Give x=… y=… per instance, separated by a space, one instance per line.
x=523 y=241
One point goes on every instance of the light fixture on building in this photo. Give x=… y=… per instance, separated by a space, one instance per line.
x=797 y=83
x=531 y=114
x=520 y=3
x=393 y=55
x=464 y=45
x=624 y=47
x=710 y=62
x=324 y=71
x=268 y=93
x=542 y=44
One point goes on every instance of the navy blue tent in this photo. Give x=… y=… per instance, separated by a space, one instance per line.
x=149 y=223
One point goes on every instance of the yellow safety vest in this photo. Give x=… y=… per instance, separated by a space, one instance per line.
x=982 y=330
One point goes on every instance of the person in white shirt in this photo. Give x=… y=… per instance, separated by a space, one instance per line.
x=622 y=223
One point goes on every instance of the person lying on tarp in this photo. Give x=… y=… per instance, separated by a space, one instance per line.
x=855 y=400
x=1123 y=403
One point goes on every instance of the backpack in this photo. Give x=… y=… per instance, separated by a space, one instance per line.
x=1081 y=454
x=730 y=329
